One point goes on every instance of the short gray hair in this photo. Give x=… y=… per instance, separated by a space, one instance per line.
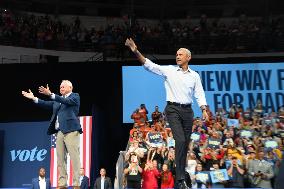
x=186 y=51
x=67 y=82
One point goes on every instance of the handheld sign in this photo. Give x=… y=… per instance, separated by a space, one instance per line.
x=155 y=139
x=219 y=175
x=214 y=143
x=195 y=136
x=246 y=134
x=271 y=144
x=202 y=177
x=233 y=123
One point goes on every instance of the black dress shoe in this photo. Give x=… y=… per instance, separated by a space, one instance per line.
x=182 y=185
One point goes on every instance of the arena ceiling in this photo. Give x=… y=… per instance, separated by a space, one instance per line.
x=149 y=8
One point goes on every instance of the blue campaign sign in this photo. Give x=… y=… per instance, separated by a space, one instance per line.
x=219 y=175
x=202 y=177
x=171 y=142
x=271 y=144
x=25 y=148
x=195 y=136
x=214 y=143
x=224 y=84
x=233 y=123
x=246 y=134
x=155 y=139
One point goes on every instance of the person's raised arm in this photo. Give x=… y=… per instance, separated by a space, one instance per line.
x=42 y=103
x=148 y=64
x=29 y=95
x=45 y=90
x=132 y=46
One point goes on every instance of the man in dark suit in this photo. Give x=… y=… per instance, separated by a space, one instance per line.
x=103 y=182
x=65 y=123
x=84 y=180
x=279 y=184
x=41 y=182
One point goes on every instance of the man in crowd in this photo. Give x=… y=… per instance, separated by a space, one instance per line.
x=260 y=172
x=156 y=115
x=236 y=172
x=103 y=182
x=84 y=180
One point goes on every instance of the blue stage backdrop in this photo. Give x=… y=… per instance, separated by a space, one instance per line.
x=224 y=84
x=25 y=148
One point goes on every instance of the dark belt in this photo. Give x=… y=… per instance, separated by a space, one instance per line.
x=179 y=105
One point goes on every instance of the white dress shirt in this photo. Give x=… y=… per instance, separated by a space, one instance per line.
x=180 y=85
x=42 y=183
x=102 y=182
x=81 y=178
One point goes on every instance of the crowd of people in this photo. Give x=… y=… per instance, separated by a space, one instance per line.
x=208 y=35
x=237 y=148
x=234 y=148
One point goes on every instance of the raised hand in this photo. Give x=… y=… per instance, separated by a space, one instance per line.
x=131 y=44
x=28 y=95
x=44 y=90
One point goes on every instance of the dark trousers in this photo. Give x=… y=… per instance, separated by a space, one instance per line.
x=279 y=184
x=133 y=184
x=180 y=120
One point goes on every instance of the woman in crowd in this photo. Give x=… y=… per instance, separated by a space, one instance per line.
x=150 y=175
x=133 y=172
x=167 y=179
x=199 y=179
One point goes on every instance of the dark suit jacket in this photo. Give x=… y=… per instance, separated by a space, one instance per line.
x=107 y=185
x=84 y=183
x=279 y=184
x=67 y=110
x=35 y=183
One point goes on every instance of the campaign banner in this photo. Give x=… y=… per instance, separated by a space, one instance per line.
x=214 y=143
x=271 y=144
x=219 y=175
x=25 y=148
x=195 y=136
x=224 y=85
x=281 y=133
x=171 y=142
x=202 y=177
x=155 y=139
x=268 y=121
x=246 y=134
x=233 y=123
